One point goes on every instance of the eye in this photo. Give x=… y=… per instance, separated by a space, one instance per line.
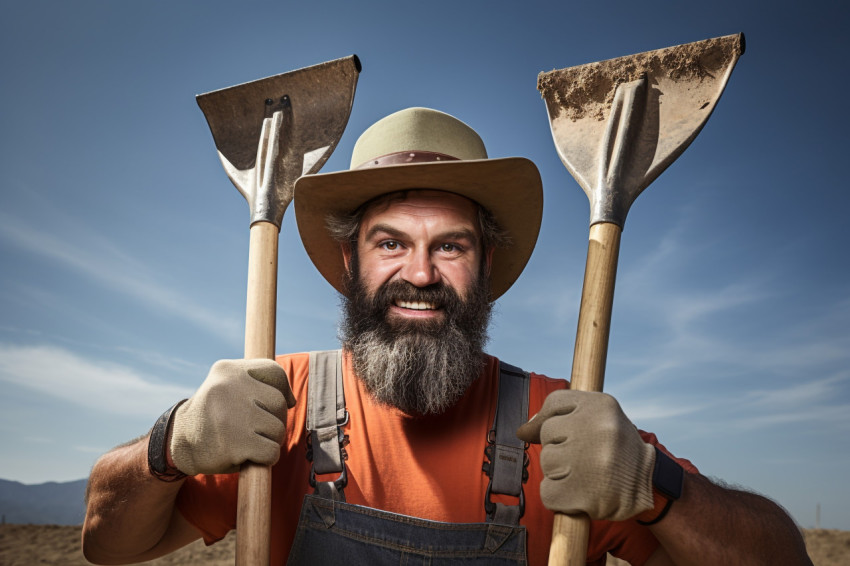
x=450 y=248
x=390 y=245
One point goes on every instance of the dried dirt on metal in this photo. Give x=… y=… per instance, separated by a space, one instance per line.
x=588 y=90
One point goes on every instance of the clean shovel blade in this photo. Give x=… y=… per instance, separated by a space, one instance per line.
x=312 y=106
x=682 y=86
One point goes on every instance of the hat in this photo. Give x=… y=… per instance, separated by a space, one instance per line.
x=420 y=148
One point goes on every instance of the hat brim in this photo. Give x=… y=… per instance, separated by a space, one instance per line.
x=509 y=187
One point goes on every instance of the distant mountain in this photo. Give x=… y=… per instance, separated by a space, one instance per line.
x=49 y=503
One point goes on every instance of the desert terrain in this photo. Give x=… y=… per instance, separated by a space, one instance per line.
x=50 y=545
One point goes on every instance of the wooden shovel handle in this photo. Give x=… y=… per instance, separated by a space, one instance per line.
x=597 y=301
x=570 y=533
x=253 y=518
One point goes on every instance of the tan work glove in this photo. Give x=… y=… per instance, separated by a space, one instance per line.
x=237 y=415
x=593 y=458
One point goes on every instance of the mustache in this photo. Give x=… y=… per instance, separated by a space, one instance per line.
x=438 y=294
x=371 y=313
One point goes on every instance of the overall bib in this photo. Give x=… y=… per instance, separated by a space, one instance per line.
x=331 y=531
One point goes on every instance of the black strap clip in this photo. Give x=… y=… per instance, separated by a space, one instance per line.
x=489 y=468
x=342 y=480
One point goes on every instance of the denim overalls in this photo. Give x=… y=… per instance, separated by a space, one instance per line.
x=331 y=531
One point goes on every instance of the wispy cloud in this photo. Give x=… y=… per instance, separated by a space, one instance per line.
x=707 y=353
x=732 y=352
x=823 y=403
x=170 y=365
x=806 y=400
x=663 y=409
x=94 y=256
x=800 y=392
x=94 y=384
x=653 y=283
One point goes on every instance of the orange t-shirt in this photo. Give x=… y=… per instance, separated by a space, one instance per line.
x=427 y=467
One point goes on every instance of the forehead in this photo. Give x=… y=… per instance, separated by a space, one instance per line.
x=424 y=204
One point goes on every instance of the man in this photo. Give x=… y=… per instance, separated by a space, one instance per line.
x=378 y=452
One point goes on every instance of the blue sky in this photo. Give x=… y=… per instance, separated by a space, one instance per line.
x=123 y=246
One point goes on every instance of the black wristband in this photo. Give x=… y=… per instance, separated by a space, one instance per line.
x=668 y=477
x=158 y=444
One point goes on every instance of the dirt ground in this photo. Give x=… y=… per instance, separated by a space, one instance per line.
x=30 y=545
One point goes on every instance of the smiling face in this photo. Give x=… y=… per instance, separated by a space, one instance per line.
x=417 y=304
x=424 y=238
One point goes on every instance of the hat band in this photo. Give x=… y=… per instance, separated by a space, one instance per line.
x=403 y=157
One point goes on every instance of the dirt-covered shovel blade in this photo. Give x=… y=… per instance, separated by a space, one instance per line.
x=617 y=125
x=624 y=121
x=268 y=133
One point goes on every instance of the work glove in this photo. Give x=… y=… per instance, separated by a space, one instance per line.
x=237 y=415
x=594 y=461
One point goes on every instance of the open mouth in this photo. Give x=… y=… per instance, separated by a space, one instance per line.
x=417 y=305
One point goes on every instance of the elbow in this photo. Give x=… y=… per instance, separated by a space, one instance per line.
x=95 y=544
x=92 y=550
x=94 y=554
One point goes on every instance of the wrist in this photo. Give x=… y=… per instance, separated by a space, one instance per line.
x=160 y=463
x=661 y=506
x=667 y=482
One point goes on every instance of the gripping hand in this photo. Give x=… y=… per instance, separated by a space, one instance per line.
x=237 y=415
x=593 y=459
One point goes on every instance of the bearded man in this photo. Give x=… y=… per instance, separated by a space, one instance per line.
x=401 y=447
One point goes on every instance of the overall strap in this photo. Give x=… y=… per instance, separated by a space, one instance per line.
x=508 y=462
x=326 y=415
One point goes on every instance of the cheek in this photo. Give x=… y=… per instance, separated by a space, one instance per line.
x=373 y=273
x=462 y=277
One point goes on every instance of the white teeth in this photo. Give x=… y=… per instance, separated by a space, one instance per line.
x=416 y=305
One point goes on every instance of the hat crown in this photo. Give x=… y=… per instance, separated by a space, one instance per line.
x=418 y=129
x=419 y=148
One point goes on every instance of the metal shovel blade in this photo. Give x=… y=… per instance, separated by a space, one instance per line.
x=271 y=131
x=618 y=124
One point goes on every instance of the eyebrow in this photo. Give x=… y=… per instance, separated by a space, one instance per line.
x=464 y=234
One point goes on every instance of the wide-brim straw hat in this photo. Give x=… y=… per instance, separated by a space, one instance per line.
x=420 y=148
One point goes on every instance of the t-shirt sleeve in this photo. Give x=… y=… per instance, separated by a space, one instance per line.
x=627 y=540
x=209 y=503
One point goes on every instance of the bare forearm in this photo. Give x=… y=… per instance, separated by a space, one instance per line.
x=130 y=513
x=712 y=525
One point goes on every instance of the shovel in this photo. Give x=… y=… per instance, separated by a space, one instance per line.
x=268 y=133
x=617 y=125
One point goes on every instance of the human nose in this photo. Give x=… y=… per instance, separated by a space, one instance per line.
x=420 y=270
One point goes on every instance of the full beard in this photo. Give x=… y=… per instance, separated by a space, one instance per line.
x=421 y=367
